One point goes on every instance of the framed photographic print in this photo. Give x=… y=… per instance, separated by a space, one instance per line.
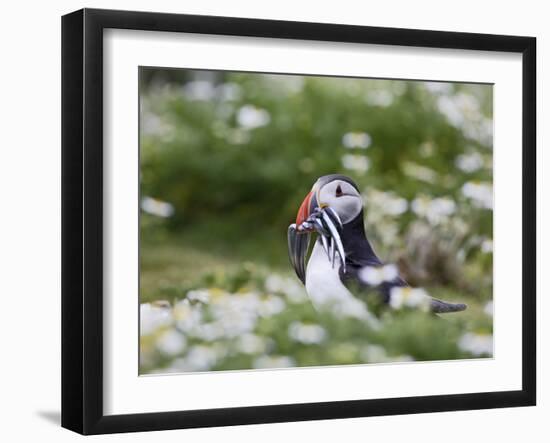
x=269 y=221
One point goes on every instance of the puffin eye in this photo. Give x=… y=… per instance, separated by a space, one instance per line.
x=338 y=191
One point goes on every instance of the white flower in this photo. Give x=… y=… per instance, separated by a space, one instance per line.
x=198 y=295
x=208 y=331
x=156 y=207
x=294 y=291
x=421 y=205
x=343 y=304
x=152 y=124
x=171 y=342
x=388 y=232
x=274 y=283
x=459 y=108
x=153 y=317
x=441 y=207
x=229 y=91
x=376 y=275
x=360 y=140
x=438 y=87
x=396 y=206
x=476 y=344
x=200 y=90
x=374 y=354
x=251 y=117
x=271 y=305
x=488 y=309
x=187 y=316
x=251 y=344
x=469 y=162
x=265 y=362
x=379 y=97
x=236 y=313
x=354 y=162
x=198 y=358
x=480 y=193
x=386 y=202
x=487 y=246
x=353 y=308
x=427 y=149
x=306 y=333
x=485 y=132
x=434 y=210
x=409 y=297
x=419 y=172
x=448 y=107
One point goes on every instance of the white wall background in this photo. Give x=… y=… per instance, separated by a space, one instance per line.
x=30 y=218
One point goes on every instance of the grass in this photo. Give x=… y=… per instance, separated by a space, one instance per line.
x=173 y=264
x=181 y=260
x=231 y=280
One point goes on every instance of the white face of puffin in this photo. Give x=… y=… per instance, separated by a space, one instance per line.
x=325 y=209
x=343 y=198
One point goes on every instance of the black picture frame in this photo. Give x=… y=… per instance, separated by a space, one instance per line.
x=82 y=220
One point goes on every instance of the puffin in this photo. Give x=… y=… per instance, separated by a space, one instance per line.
x=333 y=210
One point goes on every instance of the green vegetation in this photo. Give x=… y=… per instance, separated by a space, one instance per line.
x=226 y=159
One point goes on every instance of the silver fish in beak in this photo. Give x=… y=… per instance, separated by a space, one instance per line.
x=334 y=225
x=322 y=220
x=298 y=245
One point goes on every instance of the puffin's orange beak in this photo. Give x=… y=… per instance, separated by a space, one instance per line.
x=304 y=211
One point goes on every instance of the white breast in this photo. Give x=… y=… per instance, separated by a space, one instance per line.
x=326 y=290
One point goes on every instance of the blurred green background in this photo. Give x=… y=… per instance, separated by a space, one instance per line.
x=227 y=158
